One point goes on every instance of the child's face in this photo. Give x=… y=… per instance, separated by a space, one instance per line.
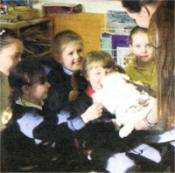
x=95 y=73
x=141 y=47
x=10 y=55
x=71 y=56
x=38 y=92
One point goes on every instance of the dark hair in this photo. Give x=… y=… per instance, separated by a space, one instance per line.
x=27 y=72
x=64 y=37
x=135 y=5
x=6 y=36
x=135 y=30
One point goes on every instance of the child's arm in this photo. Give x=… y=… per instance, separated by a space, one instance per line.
x=92 y=113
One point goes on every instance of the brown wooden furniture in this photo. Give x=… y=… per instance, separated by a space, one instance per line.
x=36 y=34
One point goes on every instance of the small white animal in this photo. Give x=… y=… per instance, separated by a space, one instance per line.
x=122 y=98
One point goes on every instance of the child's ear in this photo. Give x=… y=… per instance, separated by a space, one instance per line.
x=57 y=57
x=26 y=89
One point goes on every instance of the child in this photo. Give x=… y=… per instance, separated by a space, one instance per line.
x=67 y=49
x=35 y=140
x=21 y=149
x=99 y=138
x=143 y=65
x=11 y=48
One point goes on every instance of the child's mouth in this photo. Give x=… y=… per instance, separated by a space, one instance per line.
x=76 y=62
x=144 y=57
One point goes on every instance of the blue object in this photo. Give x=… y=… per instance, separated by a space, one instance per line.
x=119 y=41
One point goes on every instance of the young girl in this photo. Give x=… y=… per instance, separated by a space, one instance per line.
x=11 y=49
x=143 y=65
x=99 y=139
x=21 y=148
x=158 y=17
x=36 y=140
x=67 y=50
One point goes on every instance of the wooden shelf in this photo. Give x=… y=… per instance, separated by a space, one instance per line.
x=45 y=25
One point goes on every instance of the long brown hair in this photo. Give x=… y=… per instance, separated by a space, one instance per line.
x=162 y=34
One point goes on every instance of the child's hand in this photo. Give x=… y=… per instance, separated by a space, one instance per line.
x=93 y=112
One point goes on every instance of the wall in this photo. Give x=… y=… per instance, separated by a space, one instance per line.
x=91 y=6
x=88 y=24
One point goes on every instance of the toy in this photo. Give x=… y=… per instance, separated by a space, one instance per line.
x=127 y=100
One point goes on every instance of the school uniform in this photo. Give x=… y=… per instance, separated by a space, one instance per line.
x=35 y=141
x=60 y=80
x=99 y=138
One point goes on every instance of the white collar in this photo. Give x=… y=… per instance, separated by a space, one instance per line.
x=28 y=104
x=67 y=71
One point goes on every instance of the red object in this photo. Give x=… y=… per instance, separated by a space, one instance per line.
x=2 y=6
x=87 y=152
x=90 y=91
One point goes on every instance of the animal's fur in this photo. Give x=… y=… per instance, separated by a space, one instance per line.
x=127 y=100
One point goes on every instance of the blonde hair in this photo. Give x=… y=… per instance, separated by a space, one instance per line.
x=63 y=38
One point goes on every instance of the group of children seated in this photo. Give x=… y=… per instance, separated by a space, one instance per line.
x=57 y=127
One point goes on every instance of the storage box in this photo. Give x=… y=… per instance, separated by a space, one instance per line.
x=63 y=8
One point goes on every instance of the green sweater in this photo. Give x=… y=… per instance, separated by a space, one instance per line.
x=145 y=74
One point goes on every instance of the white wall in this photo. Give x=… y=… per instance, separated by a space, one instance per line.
x=89 y=6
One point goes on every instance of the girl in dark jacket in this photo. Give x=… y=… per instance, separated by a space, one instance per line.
x=34 y=140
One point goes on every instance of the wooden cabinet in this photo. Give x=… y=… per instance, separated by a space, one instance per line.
x=88 y=25
x=36 y=35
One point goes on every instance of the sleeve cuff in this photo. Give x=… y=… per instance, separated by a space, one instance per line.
x=76 y=123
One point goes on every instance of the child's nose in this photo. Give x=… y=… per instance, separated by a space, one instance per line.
x=76 y=55
x=144 y=49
